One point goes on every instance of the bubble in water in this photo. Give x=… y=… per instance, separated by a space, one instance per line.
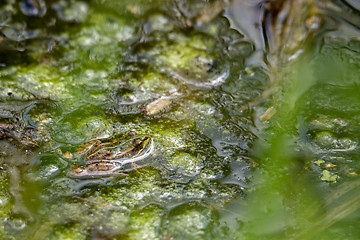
x=18 y=222
x=35 y=8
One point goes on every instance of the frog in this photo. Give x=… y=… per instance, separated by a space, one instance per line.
x=113 y=156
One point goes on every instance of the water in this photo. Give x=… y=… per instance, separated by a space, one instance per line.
x=75 y=70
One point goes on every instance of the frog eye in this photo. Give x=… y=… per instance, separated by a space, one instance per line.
x=77 y=169
x=137 y=141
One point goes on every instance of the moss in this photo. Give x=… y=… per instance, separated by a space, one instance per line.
x=145 y=223
x=328 y=140
x=5 y=200
x=185 y=164
x=325 y=139
x=68 y=232
x=190 y=59
x=188 y=224
x=100 y=78
x=145 y=87
x=99 y=41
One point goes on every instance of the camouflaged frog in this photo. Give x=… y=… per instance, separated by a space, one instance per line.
x=112 y=156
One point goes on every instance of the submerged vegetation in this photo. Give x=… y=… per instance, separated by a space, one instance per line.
x=177 y=120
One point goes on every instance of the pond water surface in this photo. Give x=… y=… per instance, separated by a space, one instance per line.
x=236 y=119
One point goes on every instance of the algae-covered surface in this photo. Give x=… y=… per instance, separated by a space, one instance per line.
x=254 y=120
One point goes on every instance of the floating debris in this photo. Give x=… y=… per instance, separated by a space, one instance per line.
x=268 y=114
x=329 y=177
x=319 y=162
x=329 y=165
x=159 y=104
x=352 y=173
x=210 y=13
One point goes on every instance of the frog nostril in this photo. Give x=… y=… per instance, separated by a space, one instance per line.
x=132 y=134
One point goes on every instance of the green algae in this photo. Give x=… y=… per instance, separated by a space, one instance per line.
x=5 y=202
x=113 y=58
x=100 y=78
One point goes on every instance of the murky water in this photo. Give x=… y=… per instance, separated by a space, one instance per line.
x=251 y=108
